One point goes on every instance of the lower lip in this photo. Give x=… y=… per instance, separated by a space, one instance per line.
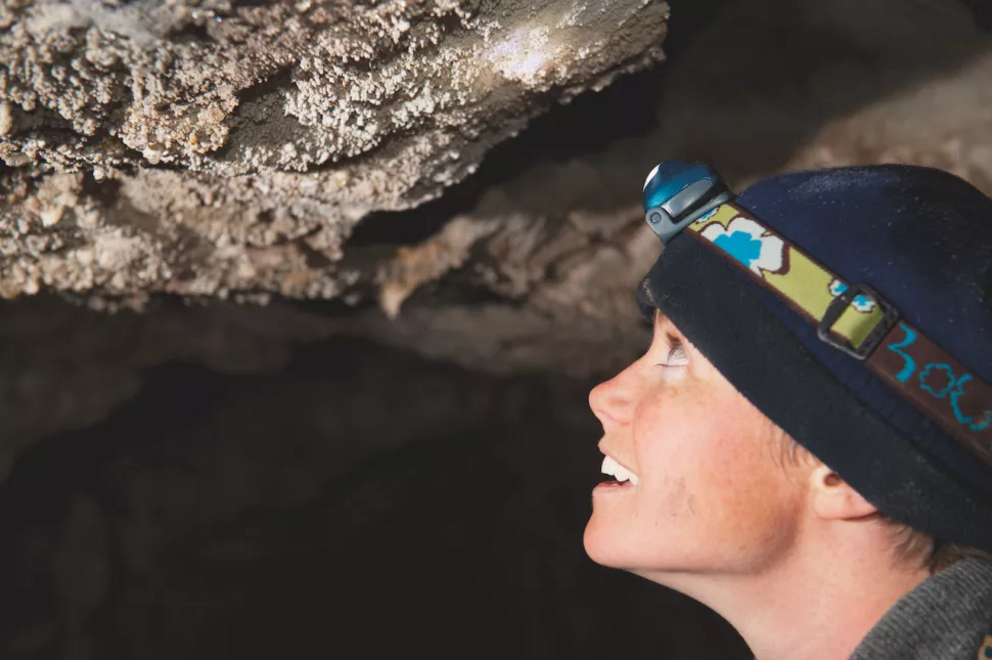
x=608 y=486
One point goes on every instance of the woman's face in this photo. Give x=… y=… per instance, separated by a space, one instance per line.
x=712 y=493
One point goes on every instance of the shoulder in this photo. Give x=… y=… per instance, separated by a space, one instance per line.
x=947 y=617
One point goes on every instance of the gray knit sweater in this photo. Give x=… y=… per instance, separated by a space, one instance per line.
x=947 y=617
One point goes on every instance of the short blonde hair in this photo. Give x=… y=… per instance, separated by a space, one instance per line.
x=913 y=546
x=909 y=545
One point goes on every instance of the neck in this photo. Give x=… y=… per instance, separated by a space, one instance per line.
x=815 y=604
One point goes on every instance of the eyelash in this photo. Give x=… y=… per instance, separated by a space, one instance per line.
x=677 y=348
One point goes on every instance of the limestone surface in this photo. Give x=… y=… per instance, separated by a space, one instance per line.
x=221 y=148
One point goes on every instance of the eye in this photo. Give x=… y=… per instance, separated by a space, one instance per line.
x=677 y=355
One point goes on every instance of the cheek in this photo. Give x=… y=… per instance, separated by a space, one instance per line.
x=709 y=458
x=673 y=443
x=758 y=504
x=676 y=427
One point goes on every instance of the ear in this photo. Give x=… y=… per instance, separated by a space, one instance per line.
x=833 y=499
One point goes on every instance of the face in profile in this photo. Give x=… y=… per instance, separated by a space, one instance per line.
x=702 y=488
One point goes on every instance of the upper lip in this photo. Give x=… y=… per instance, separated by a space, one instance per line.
x=623 y=464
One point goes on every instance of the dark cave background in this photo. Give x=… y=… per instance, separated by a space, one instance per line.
x=360 y=500
x=364 y=500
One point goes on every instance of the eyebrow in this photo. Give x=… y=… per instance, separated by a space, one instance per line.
x=660 y=318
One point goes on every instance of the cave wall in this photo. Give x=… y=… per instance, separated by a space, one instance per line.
x=216 y=148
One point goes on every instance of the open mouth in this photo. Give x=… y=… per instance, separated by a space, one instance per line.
x=621 y=475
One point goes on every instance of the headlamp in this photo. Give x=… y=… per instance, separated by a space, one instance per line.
x=677 y=192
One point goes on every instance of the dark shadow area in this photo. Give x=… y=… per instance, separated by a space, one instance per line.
x=761 y=80
x=982 y=11
x=362 y=501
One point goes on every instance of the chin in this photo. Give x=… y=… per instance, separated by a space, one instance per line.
x=608 y=546
x=603 y=547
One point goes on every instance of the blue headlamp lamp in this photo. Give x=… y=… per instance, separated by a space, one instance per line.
x=677 y=192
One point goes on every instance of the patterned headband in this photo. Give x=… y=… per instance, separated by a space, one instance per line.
x=854 y=319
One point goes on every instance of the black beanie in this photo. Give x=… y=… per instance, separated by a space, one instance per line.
x=922 y=239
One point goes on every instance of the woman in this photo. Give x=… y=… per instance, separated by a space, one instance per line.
x=806 y=446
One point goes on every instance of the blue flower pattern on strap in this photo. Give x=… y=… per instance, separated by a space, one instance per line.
x=741 y=246
x=861 y=302
x=709 y=214
x=954 y=388
x=948 y=374
x=958 y=392
x=910 y=364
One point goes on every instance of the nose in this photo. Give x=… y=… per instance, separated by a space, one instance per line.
x=613 y=401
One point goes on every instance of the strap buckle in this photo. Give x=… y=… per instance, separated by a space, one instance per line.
x=837 y=306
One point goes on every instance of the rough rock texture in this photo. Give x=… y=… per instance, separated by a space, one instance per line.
x=536 y=271
x=217 y=147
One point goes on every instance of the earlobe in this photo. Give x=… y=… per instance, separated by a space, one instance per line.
x=833 y=498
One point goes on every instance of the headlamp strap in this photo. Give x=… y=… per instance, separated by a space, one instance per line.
x=858 y=321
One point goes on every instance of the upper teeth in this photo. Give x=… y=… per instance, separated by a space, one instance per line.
x=617 y=471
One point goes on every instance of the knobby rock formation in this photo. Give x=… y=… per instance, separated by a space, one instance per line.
x=217 y=148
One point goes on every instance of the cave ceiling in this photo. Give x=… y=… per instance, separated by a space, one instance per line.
x=216 y=149
x=219 y=182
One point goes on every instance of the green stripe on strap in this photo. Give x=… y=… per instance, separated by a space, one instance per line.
x=923 y=373
x=804 y=284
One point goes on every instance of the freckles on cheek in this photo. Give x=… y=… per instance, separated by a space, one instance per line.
x=668 y=439
x=659 y=414
x=744 y=482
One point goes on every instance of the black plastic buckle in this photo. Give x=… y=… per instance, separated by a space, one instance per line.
x=837 y=306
